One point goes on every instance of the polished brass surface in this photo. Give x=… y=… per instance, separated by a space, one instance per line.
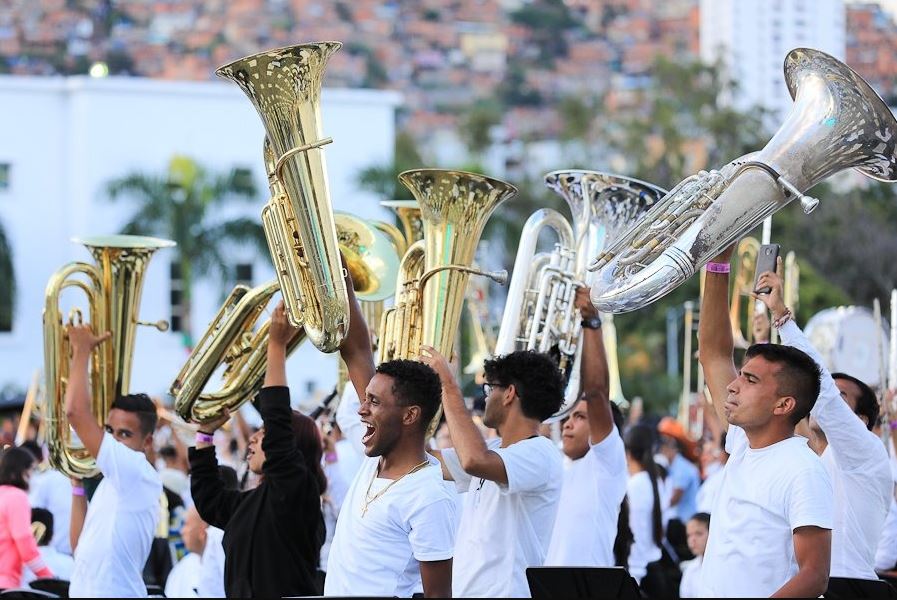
x=284 y=86
x=837 y=122
x=370 y=255
x=113 y=286
x=741 y=312
x=409 y=215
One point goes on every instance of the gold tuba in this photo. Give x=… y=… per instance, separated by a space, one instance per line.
x=837 y=122
x=455 y=206
x=113 y=288
x=284 y=86
x=539 y=312
x=231 y=338
x=742 y=317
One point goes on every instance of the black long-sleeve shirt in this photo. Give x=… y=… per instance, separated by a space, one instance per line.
x=272 y=534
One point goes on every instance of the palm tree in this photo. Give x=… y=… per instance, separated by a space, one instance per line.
x=7 y=283
x=181 y=205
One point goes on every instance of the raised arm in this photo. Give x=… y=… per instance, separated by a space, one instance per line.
x=77 y=392
x=855 y=446
x=215 y=504
x=594 y=378
x=356 y=349
x=475 y=458
x=716 y=347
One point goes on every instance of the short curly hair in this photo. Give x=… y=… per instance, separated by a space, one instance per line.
x=414 y=384
x=535 y=376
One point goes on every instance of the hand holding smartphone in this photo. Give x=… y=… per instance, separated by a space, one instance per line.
x=767 y=259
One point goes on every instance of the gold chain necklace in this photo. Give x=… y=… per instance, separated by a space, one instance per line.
x=367 y=495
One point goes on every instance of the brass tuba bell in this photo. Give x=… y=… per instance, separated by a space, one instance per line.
x=284 y=86
x=113 y=287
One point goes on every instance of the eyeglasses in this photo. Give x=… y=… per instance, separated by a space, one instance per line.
x=488 y=387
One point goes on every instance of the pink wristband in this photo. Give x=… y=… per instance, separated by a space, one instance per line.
x=204 y=438
x=714 y=267
x=77 y=491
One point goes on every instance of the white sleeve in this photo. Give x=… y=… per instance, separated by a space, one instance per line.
x=886 y=554
x=527 y=465
x=125 y=469
x=337 y=486
x=810 y=499
x=610 y=453
x=853 y=444
x=432 y=535
x=211 y=573
x=453 y=464
x=348 y=419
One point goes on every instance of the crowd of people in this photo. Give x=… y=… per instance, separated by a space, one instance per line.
x=790 y=494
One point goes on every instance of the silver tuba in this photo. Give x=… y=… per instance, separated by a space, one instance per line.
x=837 y=122
x=540 y=313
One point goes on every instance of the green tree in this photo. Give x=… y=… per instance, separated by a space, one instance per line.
x=7 y=283
x=181 y=204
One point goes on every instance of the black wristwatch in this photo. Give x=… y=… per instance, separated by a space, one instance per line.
x=592 y=323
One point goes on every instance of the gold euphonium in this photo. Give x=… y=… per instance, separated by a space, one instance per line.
x=408 y=213
x=113 y=287
x=455 y=206
x=284 y=86
x=742 y=317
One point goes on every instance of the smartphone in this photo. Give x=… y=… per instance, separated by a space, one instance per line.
x=766 y=261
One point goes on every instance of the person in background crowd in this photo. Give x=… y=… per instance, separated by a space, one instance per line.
x=200 y=574
x=18 y=549
x=697 y=529
x=61 y=564
x=683 y=480
x=52 y=490
x=773 y=517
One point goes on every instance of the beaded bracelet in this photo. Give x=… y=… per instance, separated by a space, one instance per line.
x=715 y=267
x=786 y=316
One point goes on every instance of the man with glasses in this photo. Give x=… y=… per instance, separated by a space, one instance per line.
x=513 y=482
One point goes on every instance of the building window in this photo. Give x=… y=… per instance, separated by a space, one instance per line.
x=5 y=172
x=176 y=299
x=243 y=274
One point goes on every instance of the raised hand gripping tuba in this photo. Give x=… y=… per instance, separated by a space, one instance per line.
x=455 y=206
x=837 y=122
x=235 y=340
x=540 y=313
x=113 y=287
x=284 y=86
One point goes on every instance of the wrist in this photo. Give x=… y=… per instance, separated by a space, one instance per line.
x=721 y=268
x=204 y=438
x=78 y=490
x=330 y=457
x=591 y=322
x=780 y=320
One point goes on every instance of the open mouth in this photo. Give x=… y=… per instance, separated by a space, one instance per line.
x=369 y=433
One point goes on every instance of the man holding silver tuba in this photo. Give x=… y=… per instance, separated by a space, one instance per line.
x=112 y=536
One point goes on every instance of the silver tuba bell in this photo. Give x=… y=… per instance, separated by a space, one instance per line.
x=540 y=313
x=837 y=122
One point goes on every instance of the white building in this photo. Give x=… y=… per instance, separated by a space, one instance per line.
x=753 y=38
x=63 y=139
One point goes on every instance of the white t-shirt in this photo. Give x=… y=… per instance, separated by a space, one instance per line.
x=641 y=521
x=709 y=490
x=586 y=524
x=766 y=494
x=184 y=577
x=210 y=583
x=691 y=574
x=506 y=528
x=857 y=463
x=52 y=490
x=886 y=555
x=378 y=554
x=118 y=531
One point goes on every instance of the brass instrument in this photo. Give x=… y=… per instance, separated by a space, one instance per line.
x=113 y=288
x=455 y=206
x=408 y=212
x=284 y=86
x=231 y=340
x=837 y=122
x=740 y=316
x=540 y=313
x=791 y=283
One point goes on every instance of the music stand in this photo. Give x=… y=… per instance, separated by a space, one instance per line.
x=581 y=582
